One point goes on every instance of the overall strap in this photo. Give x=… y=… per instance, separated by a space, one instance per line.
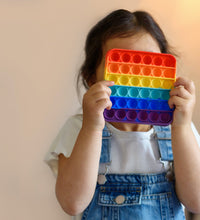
x=163 y=135
x=106 y=144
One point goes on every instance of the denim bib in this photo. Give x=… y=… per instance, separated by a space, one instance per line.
x=136 y=196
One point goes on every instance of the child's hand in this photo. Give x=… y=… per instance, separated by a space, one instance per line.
x=183 y=99
x=95 y=100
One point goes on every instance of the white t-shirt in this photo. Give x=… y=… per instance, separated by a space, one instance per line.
x=131 y=152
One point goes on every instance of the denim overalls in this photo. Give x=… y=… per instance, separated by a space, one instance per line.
x=135 y=196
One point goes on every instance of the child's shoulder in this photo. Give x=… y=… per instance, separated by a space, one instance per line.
x=73 y=121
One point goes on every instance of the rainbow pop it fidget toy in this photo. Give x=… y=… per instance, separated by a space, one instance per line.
x=143 y=81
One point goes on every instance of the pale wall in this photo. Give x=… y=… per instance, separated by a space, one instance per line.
x=41 y=48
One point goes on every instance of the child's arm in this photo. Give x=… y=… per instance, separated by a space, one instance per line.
x=185 y=148
x=77 y=175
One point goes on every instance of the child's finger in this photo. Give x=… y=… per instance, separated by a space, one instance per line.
x=102 y=86
x=175 y=101
x=186 y=83
x=181 y=92
x=104 y=104
x=100 y=95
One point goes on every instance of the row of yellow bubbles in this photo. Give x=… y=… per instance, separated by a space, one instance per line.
x=140 y=81
x=156 y=59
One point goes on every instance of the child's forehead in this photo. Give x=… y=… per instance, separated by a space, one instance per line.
x=141 y=42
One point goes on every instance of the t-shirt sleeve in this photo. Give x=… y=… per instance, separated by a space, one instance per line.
x=196 y=134
x=63 y=142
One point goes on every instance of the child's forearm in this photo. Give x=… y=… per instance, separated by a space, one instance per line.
x=187 y=166
x=77 y=175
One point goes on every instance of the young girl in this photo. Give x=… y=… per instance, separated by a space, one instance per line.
x=122 y=170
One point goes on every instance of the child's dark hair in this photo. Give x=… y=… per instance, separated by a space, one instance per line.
x=119 y=23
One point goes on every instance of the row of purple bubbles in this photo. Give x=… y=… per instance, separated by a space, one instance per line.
x=138 y=115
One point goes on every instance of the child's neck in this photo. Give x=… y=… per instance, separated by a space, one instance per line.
x=131 y=127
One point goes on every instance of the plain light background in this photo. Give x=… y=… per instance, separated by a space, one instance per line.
x=41 y=50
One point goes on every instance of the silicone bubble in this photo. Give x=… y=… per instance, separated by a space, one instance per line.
x=136 y=70
x=153 y=117
x=157 y=72
x=137 y=58
x=145 y=82
x=143 y=104
x=157 y=61
x=121 y=103
x=124 y=68
x=165 y=117
x=122 y=91
x=132 y=103
x=109 y=114
x=144 y=93
x=115 y=56
x=146 y=71
x=155 y=94
x=120 y=114
x=133 y=92
x=156 y=83
x=126 y=57
x=131 y=115
x=134 y=81
x=113 y=90
x=147 y=59
x=114 y=68
x=113 y=78
x=143 y=116
x=123 y=80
